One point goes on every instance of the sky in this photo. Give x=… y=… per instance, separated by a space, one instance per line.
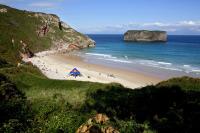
x=180 y=17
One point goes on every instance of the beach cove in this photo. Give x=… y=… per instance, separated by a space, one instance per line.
x=58 y=66
x=131 y=64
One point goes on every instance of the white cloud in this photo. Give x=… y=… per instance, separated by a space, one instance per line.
x=190 y=27
x=156 y=24
x=189 y=23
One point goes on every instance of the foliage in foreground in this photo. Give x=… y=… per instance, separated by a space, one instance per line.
x=62 y=106
x=14 y=109
x=166 y=108
x=33 y=103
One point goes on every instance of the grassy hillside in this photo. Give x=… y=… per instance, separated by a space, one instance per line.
x=62 y=106
x=17 y=25
x=30 y=102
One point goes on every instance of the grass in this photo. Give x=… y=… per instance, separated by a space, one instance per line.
x=62 y=106
x=18 y=25
x=186 y=83
x=48 y=98
x=22 y=25
x=55 y=103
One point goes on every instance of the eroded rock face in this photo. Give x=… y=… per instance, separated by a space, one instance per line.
x=73 y=47
x=25 y=51
x=91 y=126
x=145 y=36
x=3 y=10
x=47 y=17
x=68 y=35
x=101 y=118
x=41 y=32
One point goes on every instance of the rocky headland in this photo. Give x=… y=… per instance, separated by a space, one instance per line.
x=145 y=36
x=24 y=33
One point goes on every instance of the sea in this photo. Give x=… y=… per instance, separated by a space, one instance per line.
x=179 y=56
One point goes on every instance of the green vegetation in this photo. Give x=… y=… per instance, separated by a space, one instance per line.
x=4 y=63
x=17 y=25
x=55 y=104
x=29 y=102
x=14 y=110
x=62 y=106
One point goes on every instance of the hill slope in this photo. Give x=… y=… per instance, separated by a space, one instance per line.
x=29 y=102
x=37 y=32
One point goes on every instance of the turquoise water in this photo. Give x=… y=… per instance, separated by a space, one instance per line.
x=177 y=57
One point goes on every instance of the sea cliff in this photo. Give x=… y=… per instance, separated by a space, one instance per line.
x=145 y=36
x=24 y=33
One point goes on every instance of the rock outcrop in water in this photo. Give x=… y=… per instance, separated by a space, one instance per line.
x=145 y=36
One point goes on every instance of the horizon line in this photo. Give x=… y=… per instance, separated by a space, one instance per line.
x=123 y=34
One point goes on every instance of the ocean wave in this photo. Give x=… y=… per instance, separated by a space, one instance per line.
x=158 y=64
x=196 y=70
x=165 y=63
x=189 y=69
x=169 y=66
x=149 y=63
x=186 y=66
x=109 y=57
x=101 y=55
x=172 y=68
x=118 y=60
x=126 y=57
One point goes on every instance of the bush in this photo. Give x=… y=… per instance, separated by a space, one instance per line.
x=129 y=126
x=4 y=63
x=14 y=111
x=167 y=108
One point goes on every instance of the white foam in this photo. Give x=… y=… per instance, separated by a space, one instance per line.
x=186 y=66
x=108 y=57
x=126 y=57
x=118 y=60
x=164 y=63
x=196 y=70
x=172 y=68
x=161 y=65
x=97 y=54
x=151 y=63
x=148 y=62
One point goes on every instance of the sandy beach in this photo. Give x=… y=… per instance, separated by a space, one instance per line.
x=58 y=66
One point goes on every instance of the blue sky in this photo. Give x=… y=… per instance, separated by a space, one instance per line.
x=117 y=16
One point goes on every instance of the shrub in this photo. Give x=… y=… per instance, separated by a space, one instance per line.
x=14 y=111
x=4 y=63
x=167 y=108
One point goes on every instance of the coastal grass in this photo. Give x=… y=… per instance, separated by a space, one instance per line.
x=55 y=104
x=46 y=105
x=20 y=25
x=62 y=106
x=186 y=83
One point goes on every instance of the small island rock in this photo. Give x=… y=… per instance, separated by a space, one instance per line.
x=145 y=36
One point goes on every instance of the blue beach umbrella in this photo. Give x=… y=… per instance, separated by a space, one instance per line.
x=74 y=73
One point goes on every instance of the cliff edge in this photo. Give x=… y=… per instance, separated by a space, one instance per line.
x=145 y=36
x=24 y=33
